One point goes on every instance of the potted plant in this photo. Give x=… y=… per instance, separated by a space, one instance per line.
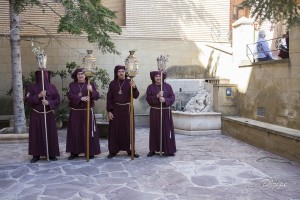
x=61 y=115
x=61 y=112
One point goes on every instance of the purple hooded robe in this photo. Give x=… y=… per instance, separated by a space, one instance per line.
x=76 y=134
x=119 y=105
x=37 y=134
x=168 y=136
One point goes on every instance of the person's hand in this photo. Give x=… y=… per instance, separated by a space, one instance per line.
x=160 y=94
x=162 y=100
x=90 y=88
x=132 y=84
x=45 y=102
x=42 y=94
x=85 y=99
x=110 y=116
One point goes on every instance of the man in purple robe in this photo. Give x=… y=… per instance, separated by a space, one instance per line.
x=37 y=98
x=154 y=98
x=118 y=108
x=76 y=134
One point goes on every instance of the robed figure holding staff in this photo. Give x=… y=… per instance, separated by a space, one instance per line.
x=37 y=99
x=118 y=108
x=155 y=97
x=77 y=134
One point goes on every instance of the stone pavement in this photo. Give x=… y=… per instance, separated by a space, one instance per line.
x=205 y=167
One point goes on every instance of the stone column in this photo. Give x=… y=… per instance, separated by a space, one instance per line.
x=242 y=35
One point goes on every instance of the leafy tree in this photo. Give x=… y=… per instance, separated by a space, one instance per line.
x=275 y=10
x=92 y=18
x=82 y=17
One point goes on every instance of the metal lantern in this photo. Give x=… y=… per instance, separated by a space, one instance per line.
x=41 y=58
x=161 y=62
x=89 y=62
x=131 y=64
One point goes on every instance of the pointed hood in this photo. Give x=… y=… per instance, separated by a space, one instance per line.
x=47 y=77
x=38 y=77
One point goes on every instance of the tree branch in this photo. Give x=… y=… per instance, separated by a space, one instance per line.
x=47 y=5
x=50 y=35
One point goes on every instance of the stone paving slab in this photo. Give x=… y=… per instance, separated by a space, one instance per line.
x=205 y=167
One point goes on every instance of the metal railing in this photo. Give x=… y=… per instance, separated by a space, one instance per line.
x=275 y=45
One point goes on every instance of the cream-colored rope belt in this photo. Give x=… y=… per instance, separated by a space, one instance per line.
x=43 y=112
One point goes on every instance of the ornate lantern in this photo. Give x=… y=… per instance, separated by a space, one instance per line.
x=41 y=58
x=161 y=62
x=89 y=62
x=131 y=64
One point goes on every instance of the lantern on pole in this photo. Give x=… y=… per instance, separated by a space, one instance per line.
x=89 y=62
x=41 y=60
x=161 y=65
x=131 y=68
x=161 y=62
x=131 y=64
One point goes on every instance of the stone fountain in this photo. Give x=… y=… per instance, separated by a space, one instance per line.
x=193 y=109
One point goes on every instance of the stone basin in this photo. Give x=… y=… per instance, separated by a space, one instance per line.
x=196 y=123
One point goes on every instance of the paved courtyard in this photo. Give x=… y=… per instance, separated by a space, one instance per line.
x=205 y=167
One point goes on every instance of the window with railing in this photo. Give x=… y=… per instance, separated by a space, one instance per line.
x=277 y=48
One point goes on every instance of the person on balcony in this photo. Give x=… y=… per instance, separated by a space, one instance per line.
x=263 y=51
x=284 y=48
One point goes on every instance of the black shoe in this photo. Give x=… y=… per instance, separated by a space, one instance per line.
x=135 y=154
x=111 y=155
x=53 y=158
x=35 y=159
x=171 y=154
x=151 y=153
x=92 y=157
x=72 y=156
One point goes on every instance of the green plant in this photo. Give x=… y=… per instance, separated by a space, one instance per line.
x=61 y=113
x=275 y=10
x=26 y=81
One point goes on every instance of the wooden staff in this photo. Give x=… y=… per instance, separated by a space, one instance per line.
x=45 y=117
x=132 y=122
x=88 y=124
x=161 y=89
